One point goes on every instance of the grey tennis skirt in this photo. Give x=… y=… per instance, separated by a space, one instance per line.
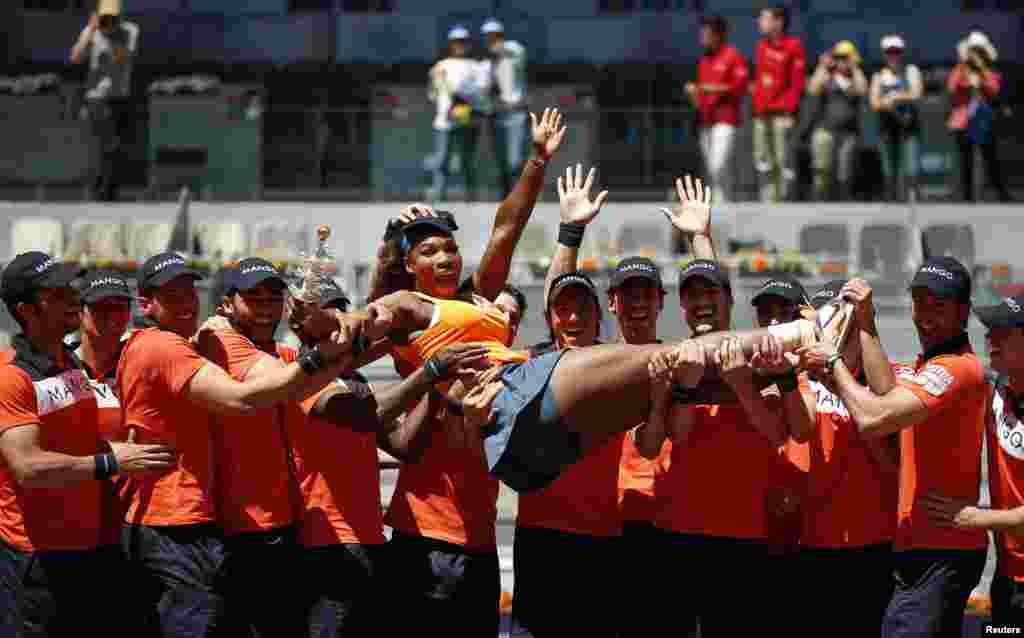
x=527 y=445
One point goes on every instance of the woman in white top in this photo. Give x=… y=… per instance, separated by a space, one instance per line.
x=895 y=90
x=457 y=86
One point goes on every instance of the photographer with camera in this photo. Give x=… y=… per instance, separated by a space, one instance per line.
x=895 y=90
x=974 y=86
x=111 y=44
x=839 y=85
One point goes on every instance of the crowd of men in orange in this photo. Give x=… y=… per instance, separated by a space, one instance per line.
x=207 y=481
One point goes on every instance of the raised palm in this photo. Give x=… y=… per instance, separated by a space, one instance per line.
x=547 y=133
x=575 y=205
x=693 y=214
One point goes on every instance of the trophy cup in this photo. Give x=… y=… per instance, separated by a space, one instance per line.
x=315 y=269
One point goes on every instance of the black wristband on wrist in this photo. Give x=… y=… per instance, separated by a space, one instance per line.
x=682 y=394
x=311 y=361
x=571 y=235
x=106 y=466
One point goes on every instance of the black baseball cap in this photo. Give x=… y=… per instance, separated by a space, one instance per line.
x=101 y=284
x=161 y=268
x=33 y=271
x=783 y=286
x=332 y=296
x=639 y=267
x=423 y=227
x=251 y=272
x=945 y=277
x=1008 y=314
x=827 y=293
x=705 y=269
x=568 y=280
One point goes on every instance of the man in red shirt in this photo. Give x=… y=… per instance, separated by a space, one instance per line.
x=721 y=83
x=776 y=91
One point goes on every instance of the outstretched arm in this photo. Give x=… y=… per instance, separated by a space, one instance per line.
x=515 y=211
x=576 y=210
x=84 y=40
x=692 y=216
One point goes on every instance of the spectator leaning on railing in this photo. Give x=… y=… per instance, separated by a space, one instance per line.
x=973 y=86
x=839 y=85
x=895 y=90
x=776 y=91
x=111 y=44
x=721 y=83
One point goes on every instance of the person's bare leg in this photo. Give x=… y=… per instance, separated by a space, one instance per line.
x=604 y=390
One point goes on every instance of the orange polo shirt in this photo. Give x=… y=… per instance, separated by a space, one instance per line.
x=942 y=453
x=636 y=479
x=111 y=428
x=584 y=499
x=718 y=483
x=338 y=474
x=253 y=482
x=154 y=372
x=449 y=494
x=851 y=499
x=60 y=401
x=1006 y=473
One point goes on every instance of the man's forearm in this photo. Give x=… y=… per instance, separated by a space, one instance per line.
x=393 y=401
x=880 y=377
x=703 y=246
x=565 y=260
x=768 y=422
x=53 y=469
x=411 y=434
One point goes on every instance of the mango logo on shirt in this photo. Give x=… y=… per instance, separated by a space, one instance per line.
x=106 y=394
x=934 y=379
x=62 y=391
x=1009 y=429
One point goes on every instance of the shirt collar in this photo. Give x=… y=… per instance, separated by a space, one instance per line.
x=953 y=345
x=40 y=361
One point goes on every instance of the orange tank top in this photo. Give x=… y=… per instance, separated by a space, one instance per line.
x=457 y=321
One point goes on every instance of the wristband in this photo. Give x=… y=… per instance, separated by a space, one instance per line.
x=682 y=394
x=310 y=361
x=106 y=466
x=571 y=235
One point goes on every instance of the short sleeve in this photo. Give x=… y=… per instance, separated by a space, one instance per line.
x=232 y=351
x=943 y=380
x=170 y=360
x=17 y=399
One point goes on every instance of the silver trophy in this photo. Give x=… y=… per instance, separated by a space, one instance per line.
x=315 y=271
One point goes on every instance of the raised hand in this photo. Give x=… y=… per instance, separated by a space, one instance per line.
x=574 y=203
x=858 y=292
x=548 y=133
x=135 y=457
x=693 y=214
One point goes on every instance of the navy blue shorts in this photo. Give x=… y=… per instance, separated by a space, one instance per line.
x=527 y=445
x=931 y=590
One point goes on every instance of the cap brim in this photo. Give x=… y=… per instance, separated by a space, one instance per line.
x=701 y=275
x=428 y=222
x=787 y=296
x=939 y=289
x=105 y=293
x=617 y=281
x=556 y=290
x=248 y=283
x=998 y=316
x=58 y=276
x=335 y=300
x=170 y=273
